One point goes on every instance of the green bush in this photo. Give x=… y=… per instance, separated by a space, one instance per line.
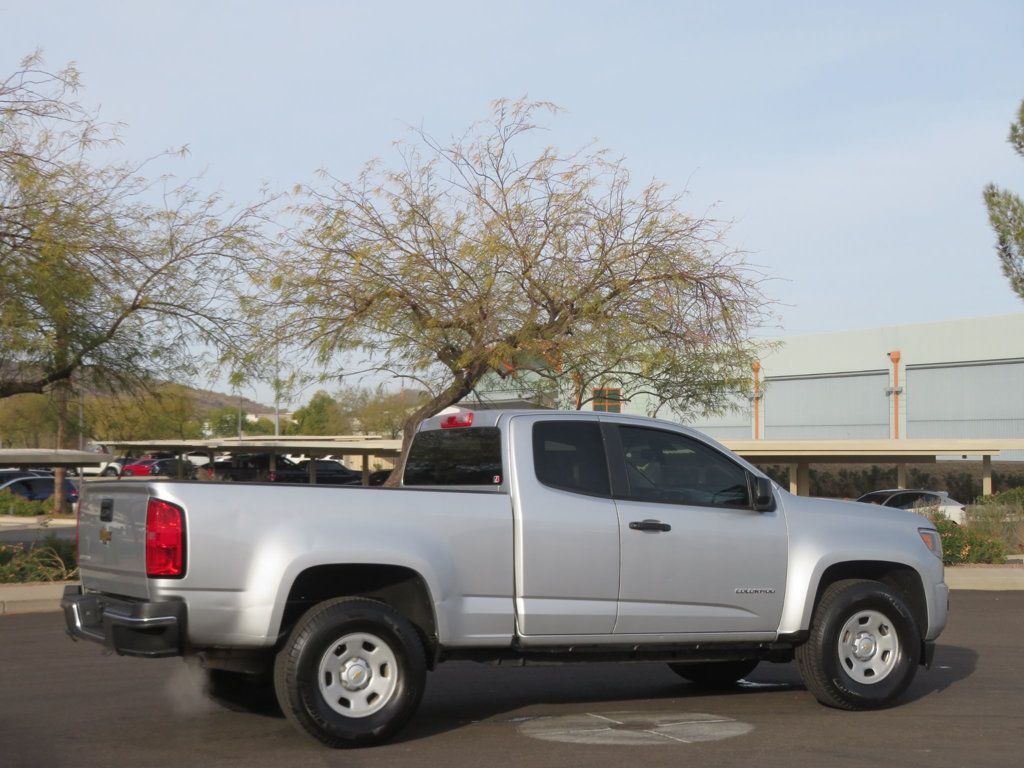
x=13 y=504
x=966 y=544
x=49 y=560
x=1001 y=517
x=1013 y=497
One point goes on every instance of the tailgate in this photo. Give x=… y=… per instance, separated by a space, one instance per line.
x=112 y=537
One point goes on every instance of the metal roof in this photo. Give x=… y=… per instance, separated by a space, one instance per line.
x=867 y=451
x=44 y=457
x=342 y=445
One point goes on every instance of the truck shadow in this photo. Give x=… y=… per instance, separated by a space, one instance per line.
x=461 y=694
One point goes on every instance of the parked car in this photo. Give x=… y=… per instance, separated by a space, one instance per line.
x=172 y=468
x=39 y=488
x=904 y=498
x=14 y=474
x=138 y=467
x=330 y=472
x=516 y=536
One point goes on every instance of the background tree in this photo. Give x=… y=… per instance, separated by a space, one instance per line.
x=1006 y=214
x=479 y=253
x=104 y=275
x=382 y=412
x=107 y=280
x=322 y=415
x=28 y=421
x=167 y=412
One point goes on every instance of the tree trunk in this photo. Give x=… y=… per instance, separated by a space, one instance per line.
x=61 y=392
x=453 y=394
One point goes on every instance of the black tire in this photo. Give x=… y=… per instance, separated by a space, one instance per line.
x=301 y=689
x=854 y=677
x=110 y=472
x=715 y=674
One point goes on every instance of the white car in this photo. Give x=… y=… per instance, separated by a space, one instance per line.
x=903 y=498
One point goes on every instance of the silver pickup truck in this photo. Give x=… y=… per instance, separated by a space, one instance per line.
x=517 y=536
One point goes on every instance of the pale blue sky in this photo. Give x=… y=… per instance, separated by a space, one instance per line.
x=849 y=142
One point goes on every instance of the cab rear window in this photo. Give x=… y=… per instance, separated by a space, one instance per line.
x=469 y=456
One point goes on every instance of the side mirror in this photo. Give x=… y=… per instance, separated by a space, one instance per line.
x=764 y=498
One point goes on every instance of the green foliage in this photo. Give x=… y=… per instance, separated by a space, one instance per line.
x=223 y=422
x=166 y=412
x=323 y=415
x=1008 y=497
x=491 y=256
x=965 y=544
x=1000 y=516
x=13 y=504
x=262 y=426
x=1006 y=215
x=380 y=412
x=28 y=421
x=104 y=280
x=52 y=559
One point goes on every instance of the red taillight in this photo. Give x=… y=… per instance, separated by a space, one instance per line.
x=454 y=420
x=165 y=540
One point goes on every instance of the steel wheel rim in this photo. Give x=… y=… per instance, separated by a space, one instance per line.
x=358 y=674
x=869 y=647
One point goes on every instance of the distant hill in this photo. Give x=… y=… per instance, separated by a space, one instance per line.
x=207 y=400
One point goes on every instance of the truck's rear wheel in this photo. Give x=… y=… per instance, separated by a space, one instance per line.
x=351 y=673
x=863 y=649
x=715 y=674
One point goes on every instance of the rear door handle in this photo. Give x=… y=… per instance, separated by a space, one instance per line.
x=649 y=525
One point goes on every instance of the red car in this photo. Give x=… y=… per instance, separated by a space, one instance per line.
x=140 y=467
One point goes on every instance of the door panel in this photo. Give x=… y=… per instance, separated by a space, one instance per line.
x=720 y=566
x=567 y=541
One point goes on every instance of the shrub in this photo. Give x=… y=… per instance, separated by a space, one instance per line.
x=49 y=561
x=966 y=544
x=1000 y=516
x=13 y=504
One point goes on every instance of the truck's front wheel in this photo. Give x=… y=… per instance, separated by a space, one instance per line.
x=863 y=649
x=351 y=673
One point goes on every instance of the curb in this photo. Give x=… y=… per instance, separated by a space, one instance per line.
x=38 y=521
x=32 y=598
x=40 y=598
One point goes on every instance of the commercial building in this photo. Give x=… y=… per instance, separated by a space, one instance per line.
x=947 y=380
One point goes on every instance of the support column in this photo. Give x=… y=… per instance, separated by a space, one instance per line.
x=803 y=479
x=793 y=486
x=901 y=475
x=366 y=469
x=986 y=475
x=312 y=469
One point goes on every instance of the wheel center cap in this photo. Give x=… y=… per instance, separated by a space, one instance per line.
x=864 y=646
x=356 y=674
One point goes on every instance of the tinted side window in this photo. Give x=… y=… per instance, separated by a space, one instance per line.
x=665 y=466
x=455 y=457
x=570 y=455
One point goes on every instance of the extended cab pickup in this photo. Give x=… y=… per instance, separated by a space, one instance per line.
x=518 y=536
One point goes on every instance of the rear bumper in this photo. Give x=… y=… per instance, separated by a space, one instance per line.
x=128 y=627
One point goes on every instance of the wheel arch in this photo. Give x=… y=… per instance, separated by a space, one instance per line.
x=399 y=587
x=903 y=579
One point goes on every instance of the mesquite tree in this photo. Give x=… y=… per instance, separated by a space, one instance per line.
x=491 y=255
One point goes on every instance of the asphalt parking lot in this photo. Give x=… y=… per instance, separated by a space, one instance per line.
x=65 y=704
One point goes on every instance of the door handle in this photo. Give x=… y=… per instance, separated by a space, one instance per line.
x=649 y=525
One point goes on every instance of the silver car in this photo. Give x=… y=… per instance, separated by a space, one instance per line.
x=904 y=498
